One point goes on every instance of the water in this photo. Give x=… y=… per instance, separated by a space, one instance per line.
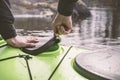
x=92 y=33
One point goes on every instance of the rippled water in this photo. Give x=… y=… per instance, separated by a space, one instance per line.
x=92 y=33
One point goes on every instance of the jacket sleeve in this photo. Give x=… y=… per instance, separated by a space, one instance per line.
x=7 y=29
x=65 y=7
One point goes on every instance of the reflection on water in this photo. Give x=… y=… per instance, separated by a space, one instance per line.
x=95 y=32
x=98 y=27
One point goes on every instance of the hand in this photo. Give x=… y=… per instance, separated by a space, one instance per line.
x=20 y=41
x=62 y=24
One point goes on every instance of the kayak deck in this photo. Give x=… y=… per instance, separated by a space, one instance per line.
x=64 y=63
x=52 y=65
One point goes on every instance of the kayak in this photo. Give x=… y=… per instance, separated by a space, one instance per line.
x=49 y=65
x=58 y=63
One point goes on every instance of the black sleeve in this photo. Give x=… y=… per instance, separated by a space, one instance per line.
x=65 y=7
x=6 y=20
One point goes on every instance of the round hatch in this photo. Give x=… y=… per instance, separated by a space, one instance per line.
x=99 y=65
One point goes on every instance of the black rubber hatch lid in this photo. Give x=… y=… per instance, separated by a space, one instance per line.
x=42 y=46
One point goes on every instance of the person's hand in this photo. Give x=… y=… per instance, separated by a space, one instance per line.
x=62 y=24
x=20 y=41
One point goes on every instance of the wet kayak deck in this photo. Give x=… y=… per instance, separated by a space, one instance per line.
x=56 y=65
x=66 y=71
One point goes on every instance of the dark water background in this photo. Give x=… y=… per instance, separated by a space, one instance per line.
x=100 y=31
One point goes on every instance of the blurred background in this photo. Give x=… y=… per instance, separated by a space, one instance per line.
x=96 y=22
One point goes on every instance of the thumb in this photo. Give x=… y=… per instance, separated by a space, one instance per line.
x=30 y=45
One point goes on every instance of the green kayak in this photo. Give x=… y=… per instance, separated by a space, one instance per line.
x=58 y=62
x=50 y=65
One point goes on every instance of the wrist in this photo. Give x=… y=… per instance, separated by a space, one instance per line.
x=65 y=7
x=63 y=16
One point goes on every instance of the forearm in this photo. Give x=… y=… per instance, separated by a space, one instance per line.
x=65 y=7
x=6 y=21
x=7 y=31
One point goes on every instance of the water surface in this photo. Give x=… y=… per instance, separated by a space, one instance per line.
x=94 y=33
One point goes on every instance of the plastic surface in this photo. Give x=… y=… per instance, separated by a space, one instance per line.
x=42 y=66
x=99 y=65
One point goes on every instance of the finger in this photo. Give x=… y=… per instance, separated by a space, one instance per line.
x=30 y=45
x=31 y=39
x=59 y=32
x=65 y=30
x=56 y=30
